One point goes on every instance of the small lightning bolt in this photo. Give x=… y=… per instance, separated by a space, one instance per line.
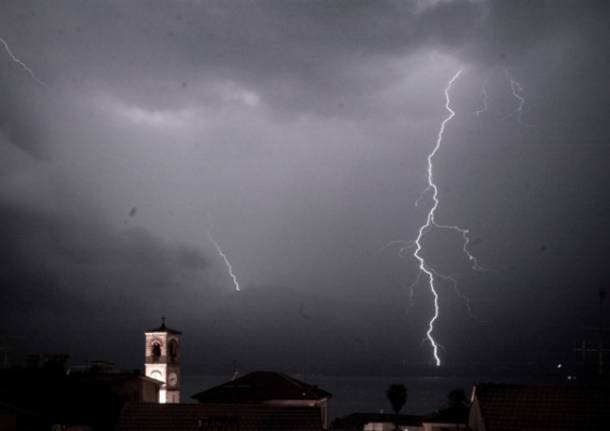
x=21 y=63
x=517 y=91
x=485 y=98
x=411 y=288
x=226 y=260
x=404 y=246
x=431 y=223
x=464 y=232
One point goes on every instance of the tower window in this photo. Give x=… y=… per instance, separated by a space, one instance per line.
x=156 y=351
x=173 y=350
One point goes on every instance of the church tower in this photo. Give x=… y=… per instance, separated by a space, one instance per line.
x=162 y=361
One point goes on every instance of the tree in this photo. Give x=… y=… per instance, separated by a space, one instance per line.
x=397 y=395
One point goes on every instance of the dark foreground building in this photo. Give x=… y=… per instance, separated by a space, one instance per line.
x=378 y=422
x=271 y=389
x=217 y=417
x=454 y=418
x=540 y=408
x=51 y=397
x=47 y=395
x=259 y=401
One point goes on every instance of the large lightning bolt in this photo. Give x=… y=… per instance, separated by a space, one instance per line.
x=430 y=223
x=458 y=292
x=517 y=91
x=226 y=261
x=21 y=63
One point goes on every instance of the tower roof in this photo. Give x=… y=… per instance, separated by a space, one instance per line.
x=164 y=328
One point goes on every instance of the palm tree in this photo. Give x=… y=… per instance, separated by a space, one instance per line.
x=397 y=395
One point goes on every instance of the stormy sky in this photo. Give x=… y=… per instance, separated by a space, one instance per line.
x=296 y=134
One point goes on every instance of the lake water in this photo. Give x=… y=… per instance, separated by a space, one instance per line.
x=362 y=394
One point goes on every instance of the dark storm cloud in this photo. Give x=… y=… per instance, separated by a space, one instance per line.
x=78 y=286
x=59 y=266
x=301 y=47
x=21 y=118
x=299 y=55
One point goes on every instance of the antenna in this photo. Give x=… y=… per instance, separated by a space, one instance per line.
x=602 y=296
x=599 y=349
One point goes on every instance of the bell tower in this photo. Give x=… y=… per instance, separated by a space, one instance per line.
x=162 y=361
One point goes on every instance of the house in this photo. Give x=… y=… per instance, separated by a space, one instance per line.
x=40 y=398
x=268 y=388
x=531 y=407
x=450 y=419
x=127 y=386
x=48 y=395
x=217 y=417
x=378 y=422
x=14 y=418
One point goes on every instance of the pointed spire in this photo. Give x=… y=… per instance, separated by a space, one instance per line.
x=164 y=328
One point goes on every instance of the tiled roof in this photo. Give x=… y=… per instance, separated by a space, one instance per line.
x=164 y=328
x=542 y=408
x=194 y=417
x=261 y=386
x=110 y=378
x=357 y=421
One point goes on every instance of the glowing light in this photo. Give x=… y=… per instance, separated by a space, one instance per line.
x=21 y=63
x=430 y=223
x=226 y=261
x=517 y=91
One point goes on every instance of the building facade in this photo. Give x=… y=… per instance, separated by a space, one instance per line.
x=162 y=361
x=268 y=388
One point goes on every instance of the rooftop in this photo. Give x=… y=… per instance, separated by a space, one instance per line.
x=193 y=417
x=261 y=386
x=357 y=421
x=542 y=408
x=457 y=414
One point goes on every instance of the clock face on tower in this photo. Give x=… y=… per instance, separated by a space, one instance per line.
x=172 y=379
x=156 y=374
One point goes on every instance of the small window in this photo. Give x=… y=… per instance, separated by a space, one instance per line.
x=156 y=351
x=173 y=350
